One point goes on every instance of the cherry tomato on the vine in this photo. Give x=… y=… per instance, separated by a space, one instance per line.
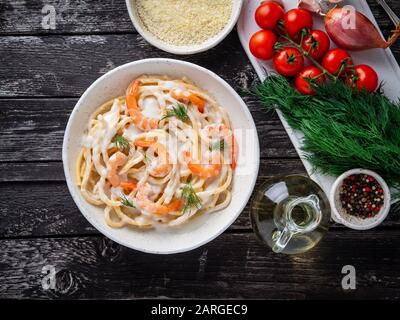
x=363 y=77
x=295 y=21
x=268 y=14
x=288 y=62
x=278 y=2
x=316 y=43
x=337 y=61
x=307 y=79
x=262 y=44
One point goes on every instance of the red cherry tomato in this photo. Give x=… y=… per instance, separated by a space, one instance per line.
x=317 y=43
x=307 y=78
x=288 y=62
x=262 y=44
x=278 y=2
x=337 y=61
x=268 y=14
x=296 y=20
x=363 y=77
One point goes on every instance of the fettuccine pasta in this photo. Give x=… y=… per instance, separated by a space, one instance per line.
x=159 y=155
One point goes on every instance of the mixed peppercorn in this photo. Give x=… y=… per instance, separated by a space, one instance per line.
x=361 y=195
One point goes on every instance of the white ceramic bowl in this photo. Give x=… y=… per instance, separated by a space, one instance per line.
x=201 y=229
x=210 y=43
x=352 y=221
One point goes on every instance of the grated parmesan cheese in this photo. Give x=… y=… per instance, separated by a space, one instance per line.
x=184 y=22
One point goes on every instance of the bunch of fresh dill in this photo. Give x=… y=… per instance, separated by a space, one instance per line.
x=343 y=129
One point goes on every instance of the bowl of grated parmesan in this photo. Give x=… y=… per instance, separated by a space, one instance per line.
x=184 y=26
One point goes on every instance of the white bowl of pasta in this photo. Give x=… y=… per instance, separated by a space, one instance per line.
x=160 y=155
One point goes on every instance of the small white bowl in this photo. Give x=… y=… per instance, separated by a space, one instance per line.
x=354 y=222
x=201 y=229
x=182 y=50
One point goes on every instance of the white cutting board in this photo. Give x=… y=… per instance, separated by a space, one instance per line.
x=381 y=60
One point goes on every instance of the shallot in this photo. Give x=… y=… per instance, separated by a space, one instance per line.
x=352 y=30
x=347 y=27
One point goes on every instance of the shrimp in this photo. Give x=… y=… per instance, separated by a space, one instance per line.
x=145 y=203
x=204 y=170
x=185 y=96
x=161 y=166
x=128 y=186
x=117 y=160
x=143 y=123
x=223 y=133
x=144 y=143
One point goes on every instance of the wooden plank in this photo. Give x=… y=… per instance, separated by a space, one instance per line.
x=232 y=266
x=33 y=130
x=90 y=16
x=31 y=172
x=30 y=206
x=67 y=65
x=64 y=66
x=72 y=16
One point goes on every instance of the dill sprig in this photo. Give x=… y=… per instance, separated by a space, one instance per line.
x=121 y=143
x=190 y=198
x=343 y=128
x=127 y=202
x=219 y=145
x=396 y=207
x=179 y=112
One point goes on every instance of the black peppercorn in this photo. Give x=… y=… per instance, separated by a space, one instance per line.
x=358 y=196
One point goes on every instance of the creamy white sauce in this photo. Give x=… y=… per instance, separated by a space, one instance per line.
x=103 y=135
x=87 y=141
x=111 y=117
x=150 y=108
x=142 y=220
x=169 y=85
x=139 y=175
x=131 y=132
x=172 y=85
x=171 y=188
x=155 y=189
x=117 y=192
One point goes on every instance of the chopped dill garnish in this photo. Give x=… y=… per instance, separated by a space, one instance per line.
x=127 y=202
x=190 y=198
x=179 y=112
x=219 y=145
x=121 y=143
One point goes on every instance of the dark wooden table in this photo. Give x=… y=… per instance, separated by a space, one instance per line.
x=42 y=74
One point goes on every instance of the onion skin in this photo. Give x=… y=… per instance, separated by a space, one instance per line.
x=361 y=37
x=310 y=5
x=315 y=5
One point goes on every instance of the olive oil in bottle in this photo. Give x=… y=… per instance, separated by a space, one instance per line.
x=290 y=214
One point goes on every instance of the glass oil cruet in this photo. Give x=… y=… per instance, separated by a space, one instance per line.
x=291 y=214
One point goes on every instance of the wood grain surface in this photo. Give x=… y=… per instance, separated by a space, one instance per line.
x=235 y=265
x=42 y=75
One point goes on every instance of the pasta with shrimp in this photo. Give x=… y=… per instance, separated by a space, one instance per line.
x=159 y=155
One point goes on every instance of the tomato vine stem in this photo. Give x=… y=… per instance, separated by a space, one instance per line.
x=307 y=55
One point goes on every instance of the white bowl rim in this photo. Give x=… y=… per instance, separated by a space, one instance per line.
x=184 y=50
x=382 y=214
x=74 y=191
